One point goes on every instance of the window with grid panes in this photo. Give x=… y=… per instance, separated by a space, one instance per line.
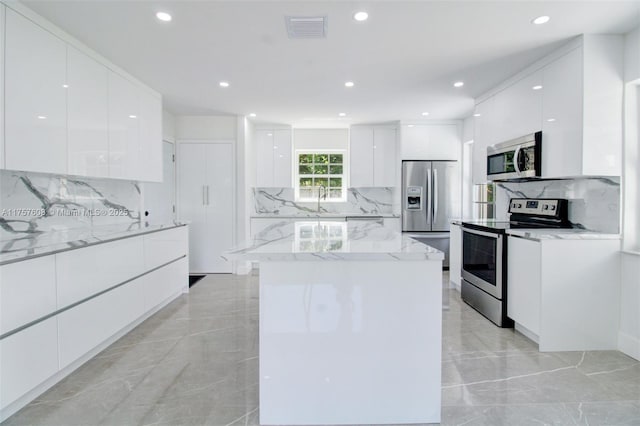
x=320 y=169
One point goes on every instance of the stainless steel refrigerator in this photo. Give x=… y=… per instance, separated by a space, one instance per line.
x=430 y=199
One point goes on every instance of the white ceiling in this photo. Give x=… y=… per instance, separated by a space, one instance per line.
x=403 y=60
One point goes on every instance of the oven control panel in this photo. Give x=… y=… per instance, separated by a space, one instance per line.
x=538 y=207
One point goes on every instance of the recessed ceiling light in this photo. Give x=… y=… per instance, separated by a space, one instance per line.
x=538 y=87
x=425 y=114
x=224 y=84
x=42 y=117
x=477 y=114
x=541 y=20
x=66 y=86
x=342 y=114
x=411 y=125
x=349 y=84
x=458 y=84
x=133 y=116
x=361 y=16
x=252 y=115
x=551 y=120
x=163 y=16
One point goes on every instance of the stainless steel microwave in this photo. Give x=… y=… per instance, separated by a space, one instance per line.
x=515 y=159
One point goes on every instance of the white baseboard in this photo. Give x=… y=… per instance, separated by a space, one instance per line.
x=455 y=285
x=629 y=345
x=25 y=399
x=527 y=333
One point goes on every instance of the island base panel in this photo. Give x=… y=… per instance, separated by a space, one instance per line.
x=350 y=342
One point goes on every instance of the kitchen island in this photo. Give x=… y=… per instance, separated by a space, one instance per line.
x=350 y=324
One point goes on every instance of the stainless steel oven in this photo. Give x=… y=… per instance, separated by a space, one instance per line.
x=484 y=252
x=484 y=271
x=515 y=159
x=482 y=258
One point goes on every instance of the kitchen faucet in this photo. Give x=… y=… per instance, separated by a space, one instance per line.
x=322 y=192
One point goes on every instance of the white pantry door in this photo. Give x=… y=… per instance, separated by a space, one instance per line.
x=206 y=202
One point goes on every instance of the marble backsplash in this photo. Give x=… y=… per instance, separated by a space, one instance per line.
x=281 y=201
x=35 y=203
x=594 y=202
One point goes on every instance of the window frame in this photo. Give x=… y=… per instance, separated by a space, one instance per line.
x=343 y=175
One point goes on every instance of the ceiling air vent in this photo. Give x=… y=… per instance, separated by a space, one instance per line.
x=306 y=26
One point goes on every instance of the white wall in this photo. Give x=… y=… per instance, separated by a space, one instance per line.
x=629 y=334
x=168 y=127
x=320 y=139
x=212 y=127
x=632 y=56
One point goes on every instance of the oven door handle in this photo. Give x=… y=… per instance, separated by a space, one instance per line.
x=483 y=233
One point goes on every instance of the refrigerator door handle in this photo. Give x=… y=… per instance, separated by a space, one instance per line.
x=204 y=203
x=435 y=195
x=429 y=201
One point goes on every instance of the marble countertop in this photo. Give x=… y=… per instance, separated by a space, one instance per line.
x=321 y=215
x=317 y=240
x=538 y=234
x=561 y=234
x=47 y=243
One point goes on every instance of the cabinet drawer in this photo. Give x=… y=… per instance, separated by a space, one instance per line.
x=165 y=282
x=83 y=327
x=27 y=292
x=85 y=272
x=165 y=246
x=27 y=359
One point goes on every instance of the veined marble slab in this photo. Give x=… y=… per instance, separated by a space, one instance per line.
x=321 y=215
x=594 y=202
x=561 y=234
x=318 y=240
x=360 y=201
x=47 y=243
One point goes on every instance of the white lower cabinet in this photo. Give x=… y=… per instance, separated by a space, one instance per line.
x=46 y=350
x=85 y=326
x=455 y=254
x=78 y=275
x=163 y=283
x=523 y=283
x=565 y=293
x=27 y=359
x=165 y=246
x=27 y=292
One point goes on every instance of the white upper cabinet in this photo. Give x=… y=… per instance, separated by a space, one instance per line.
x=88 y=136
x=384 y=156
x=575 y=97
x=582 y=108
x=485 y=122
x=124 y=127
x=35 y=98
x=273 y=158
x=67 y=112
x=282 y=158
x=518 y=109
x=361 y=156
x=2 y=36
x=150 y=127
x=264 y=154
x=562 y=121
x=431 y=142
x=372 y=156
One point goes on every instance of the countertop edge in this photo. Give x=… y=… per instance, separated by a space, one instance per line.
x=89 y=244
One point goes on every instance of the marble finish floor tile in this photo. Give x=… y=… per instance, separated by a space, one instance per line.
x=195 y=362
